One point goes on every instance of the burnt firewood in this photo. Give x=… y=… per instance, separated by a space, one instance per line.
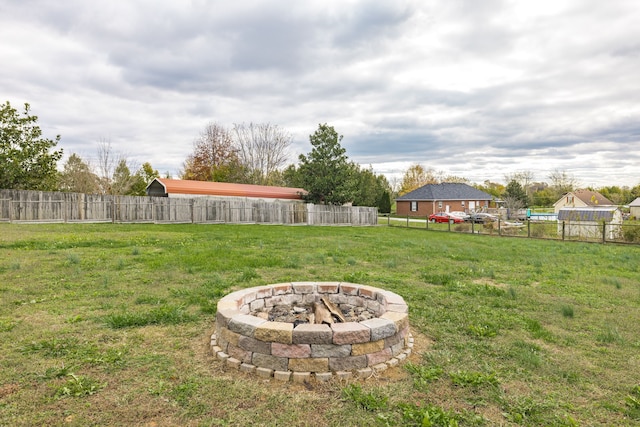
x=333 y=309
x=321 y=313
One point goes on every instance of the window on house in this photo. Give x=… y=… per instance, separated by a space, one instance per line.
x=414 y=206
x=462 y=203
x=440 y=205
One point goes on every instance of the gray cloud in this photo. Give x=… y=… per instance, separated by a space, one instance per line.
x=472 y=88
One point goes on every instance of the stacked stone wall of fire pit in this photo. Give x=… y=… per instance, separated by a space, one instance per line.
x=287 y=352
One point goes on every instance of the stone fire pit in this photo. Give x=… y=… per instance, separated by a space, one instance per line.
x=297 y=351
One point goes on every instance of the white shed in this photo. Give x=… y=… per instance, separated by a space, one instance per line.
x=634 y=208
x=588 y=222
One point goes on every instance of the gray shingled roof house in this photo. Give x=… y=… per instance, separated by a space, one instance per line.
x=444 y=197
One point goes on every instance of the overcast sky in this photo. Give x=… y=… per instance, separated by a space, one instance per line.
x=477 y=88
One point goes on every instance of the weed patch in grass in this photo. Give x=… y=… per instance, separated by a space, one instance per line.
x=567 y=311
x=528 y=355
x=247 y=275
x=423 y=375
x=373 y=401
x=78 y=386
x=356 y=277
x=162 y=315
x=473 y=379
x=538 y=331
x=609 y=335
x=431 y=415
x=482 y=330
x=7 y=325
x=150 y=300
x=72 y=259
x=437 y=278
x=632 y=403
x=54 y=347
x=53 y=372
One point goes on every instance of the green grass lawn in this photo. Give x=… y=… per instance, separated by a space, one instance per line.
x=104 y=324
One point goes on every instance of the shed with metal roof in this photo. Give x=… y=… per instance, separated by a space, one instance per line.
x=590 y=222
x=163 y=187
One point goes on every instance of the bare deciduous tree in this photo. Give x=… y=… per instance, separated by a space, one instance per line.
x=562 y=182
x=524 y=178
x=111 y=164
x=262 y=149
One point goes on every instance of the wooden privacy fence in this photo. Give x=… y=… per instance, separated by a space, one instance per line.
x=39 y=206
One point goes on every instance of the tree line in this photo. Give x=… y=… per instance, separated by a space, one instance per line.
x=252 y=154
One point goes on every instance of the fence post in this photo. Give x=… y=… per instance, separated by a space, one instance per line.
x=499 y=228
x=407 y=221
x=563 y=224
x=604 y=232
x=528 y=228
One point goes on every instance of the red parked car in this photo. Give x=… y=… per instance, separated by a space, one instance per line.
x=445 y=217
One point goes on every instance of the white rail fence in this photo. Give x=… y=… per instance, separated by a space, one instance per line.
x=40 y=206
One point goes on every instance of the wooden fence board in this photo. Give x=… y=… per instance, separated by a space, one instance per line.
x=39 y=206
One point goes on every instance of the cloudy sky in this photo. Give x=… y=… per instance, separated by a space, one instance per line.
x=476 y=88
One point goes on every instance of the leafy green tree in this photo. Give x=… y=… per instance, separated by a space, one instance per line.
x=325 y=172
x=545 y=197
x=78 y=177
x=617 y=195
x=26 y=159
x=291 y=177
x=369 y=186
x=143 y=177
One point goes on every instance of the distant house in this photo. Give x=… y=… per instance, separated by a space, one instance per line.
x=634 y=208
x=581 y=199
x=588 y=222
x=161 y=187
x=444 y=197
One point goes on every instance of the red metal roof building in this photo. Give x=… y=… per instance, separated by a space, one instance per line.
x=161 y=187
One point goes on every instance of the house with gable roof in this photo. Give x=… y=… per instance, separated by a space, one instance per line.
x=443 y=197
x=581 y=199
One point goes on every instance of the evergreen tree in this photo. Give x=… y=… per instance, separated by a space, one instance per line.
x=325 y=172
x=384 y=203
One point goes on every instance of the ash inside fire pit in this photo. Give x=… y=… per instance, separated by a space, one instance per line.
x=298 y=314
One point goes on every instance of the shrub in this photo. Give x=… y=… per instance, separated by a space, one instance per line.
x=631 y=233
